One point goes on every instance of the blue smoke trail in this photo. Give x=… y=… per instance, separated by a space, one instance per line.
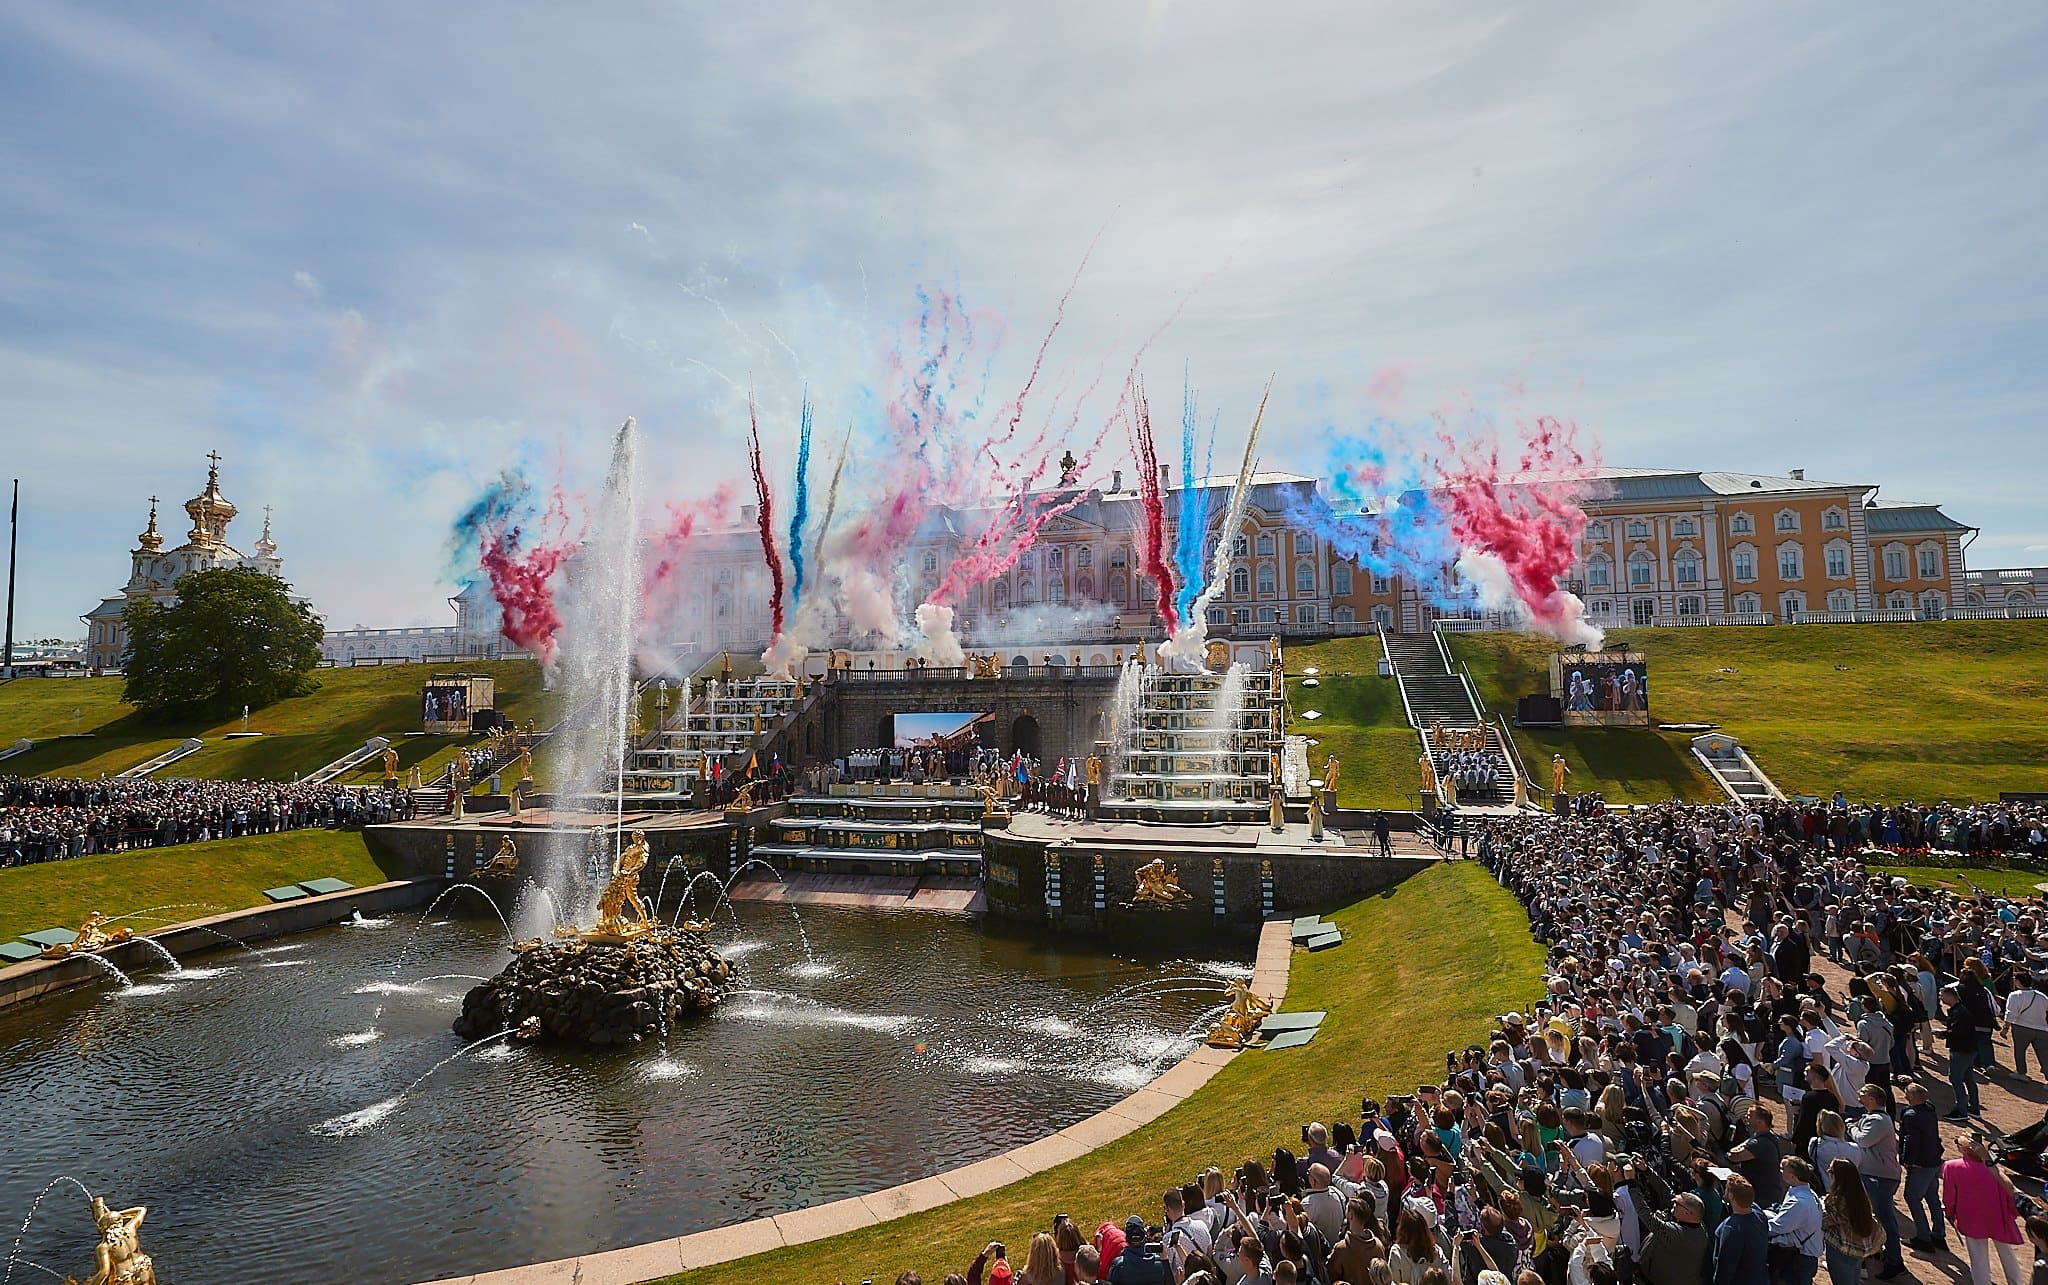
x=800 y=508
x=1192 y=524
x=1377 y=507
x=505 y=501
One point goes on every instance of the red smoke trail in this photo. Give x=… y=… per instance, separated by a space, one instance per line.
x=767 y=517
x=1530 y=519
x=521 y=578
x=1152 y=537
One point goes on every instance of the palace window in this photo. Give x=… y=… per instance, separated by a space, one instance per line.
x=1685 y=568
x=1119 y=588
x=1740 y=524
x=1305 y=614
x=1683 y=526
x=1084 y=584
x=1266 y=615
x=1241 y=616
x=1241 y=583
x=1304 y=578
x=931 y=563
x=1932 y=604
x=1599 y=574
x=1638 y=530
x=1240 y=547
x=1343 y=616
x=1304 y=543
x=1792 y=605
x=1930 y=562
x=1055 y=590
x=1268 y=582
x=1788 y=520
x=1027 y=592
x=1838 y=561
x=1895 y=562
x=1267 y=544
x=1119 y=558
x=1748 y=604
x=1791 y=562
x=725 y=575
x=1383 y=616
x=1900 y=601
x=1689 y=608
x=1841 y=600
x=1641 y=571
x=1597 y=531
x=1148 y=593
x=1340 y=580
x=1055 y=558
x=1834 y=520
x=1219 y=616
x=1382 y=586
x=1084 y=556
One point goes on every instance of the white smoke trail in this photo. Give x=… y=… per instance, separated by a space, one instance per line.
x=1184 y=651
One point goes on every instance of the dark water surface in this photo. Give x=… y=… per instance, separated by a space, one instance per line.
x=273 y=1139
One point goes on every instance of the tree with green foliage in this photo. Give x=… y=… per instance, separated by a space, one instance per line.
x=235 y=638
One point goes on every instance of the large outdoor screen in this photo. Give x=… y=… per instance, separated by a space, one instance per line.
x=1601 y=688
x=938 y=731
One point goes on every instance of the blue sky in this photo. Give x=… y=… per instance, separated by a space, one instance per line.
x=370 y=251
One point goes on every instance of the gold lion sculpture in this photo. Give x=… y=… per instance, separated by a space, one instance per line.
x=93 y=934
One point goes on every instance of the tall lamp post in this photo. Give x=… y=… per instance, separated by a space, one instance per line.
x=13 y=523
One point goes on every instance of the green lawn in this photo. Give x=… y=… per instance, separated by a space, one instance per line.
x=301 y=734
x=1955 y=709
x=1422 y=969
x=227 y=874
x=1362 y=722
x=2006 y=881
x=1625 y=764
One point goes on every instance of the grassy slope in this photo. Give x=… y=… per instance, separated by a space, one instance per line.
x=300 y=734
x=1421 y=969
x=2007 y=882
x=228 y=873
x=1953 y=709
x=1626 y=764
x=1362 y=722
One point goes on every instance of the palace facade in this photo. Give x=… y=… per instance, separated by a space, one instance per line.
x=1660 y=547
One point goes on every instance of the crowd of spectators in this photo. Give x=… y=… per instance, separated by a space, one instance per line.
x=1691 y=1099
x=53 y=818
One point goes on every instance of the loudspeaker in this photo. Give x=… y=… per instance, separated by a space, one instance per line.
x=1539 y=711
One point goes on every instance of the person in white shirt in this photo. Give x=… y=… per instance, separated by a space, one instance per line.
x=2026 y=1016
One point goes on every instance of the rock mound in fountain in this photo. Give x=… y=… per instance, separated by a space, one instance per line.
x=602 y=993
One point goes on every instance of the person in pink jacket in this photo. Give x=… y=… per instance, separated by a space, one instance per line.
x=1981 y=1208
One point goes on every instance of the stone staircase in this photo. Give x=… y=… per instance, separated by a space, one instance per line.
x=1435 y=695
x=1731 y=767
x=430 y=801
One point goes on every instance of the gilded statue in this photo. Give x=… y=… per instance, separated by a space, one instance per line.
x=504 y=863
x=744 y=800
x=1218 y=656
x=991 y=806
x=1158 y=886
x=1558 y=772
x=1238 y=1026
x=989 y=666
x=1331 y=769
x=525 y=765
x=1428 y=774
x=93 y=934
x=1094 y=770
x=620 y=912
x=633 y=729
x=118 y=1258
x=390 y=764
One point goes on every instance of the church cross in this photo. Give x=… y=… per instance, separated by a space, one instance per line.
x=215 y=457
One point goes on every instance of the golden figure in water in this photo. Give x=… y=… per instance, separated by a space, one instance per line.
x=118 y=1258
x=1236 y=1027
x=93 y=934
x=1158 y=886
x=622 y=894
x=504 y=863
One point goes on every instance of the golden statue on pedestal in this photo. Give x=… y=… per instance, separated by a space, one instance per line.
x=1331 y=769
x=744 y=800
x=118 y=1258
x=526 y=765
x=1158 y=886
x=991 y=805
x=93 y=935
x=1240 y=1025
x=504 y=863
x=621 y=915
x=390 y=764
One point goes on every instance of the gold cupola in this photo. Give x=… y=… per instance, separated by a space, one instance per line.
x=210 y=510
